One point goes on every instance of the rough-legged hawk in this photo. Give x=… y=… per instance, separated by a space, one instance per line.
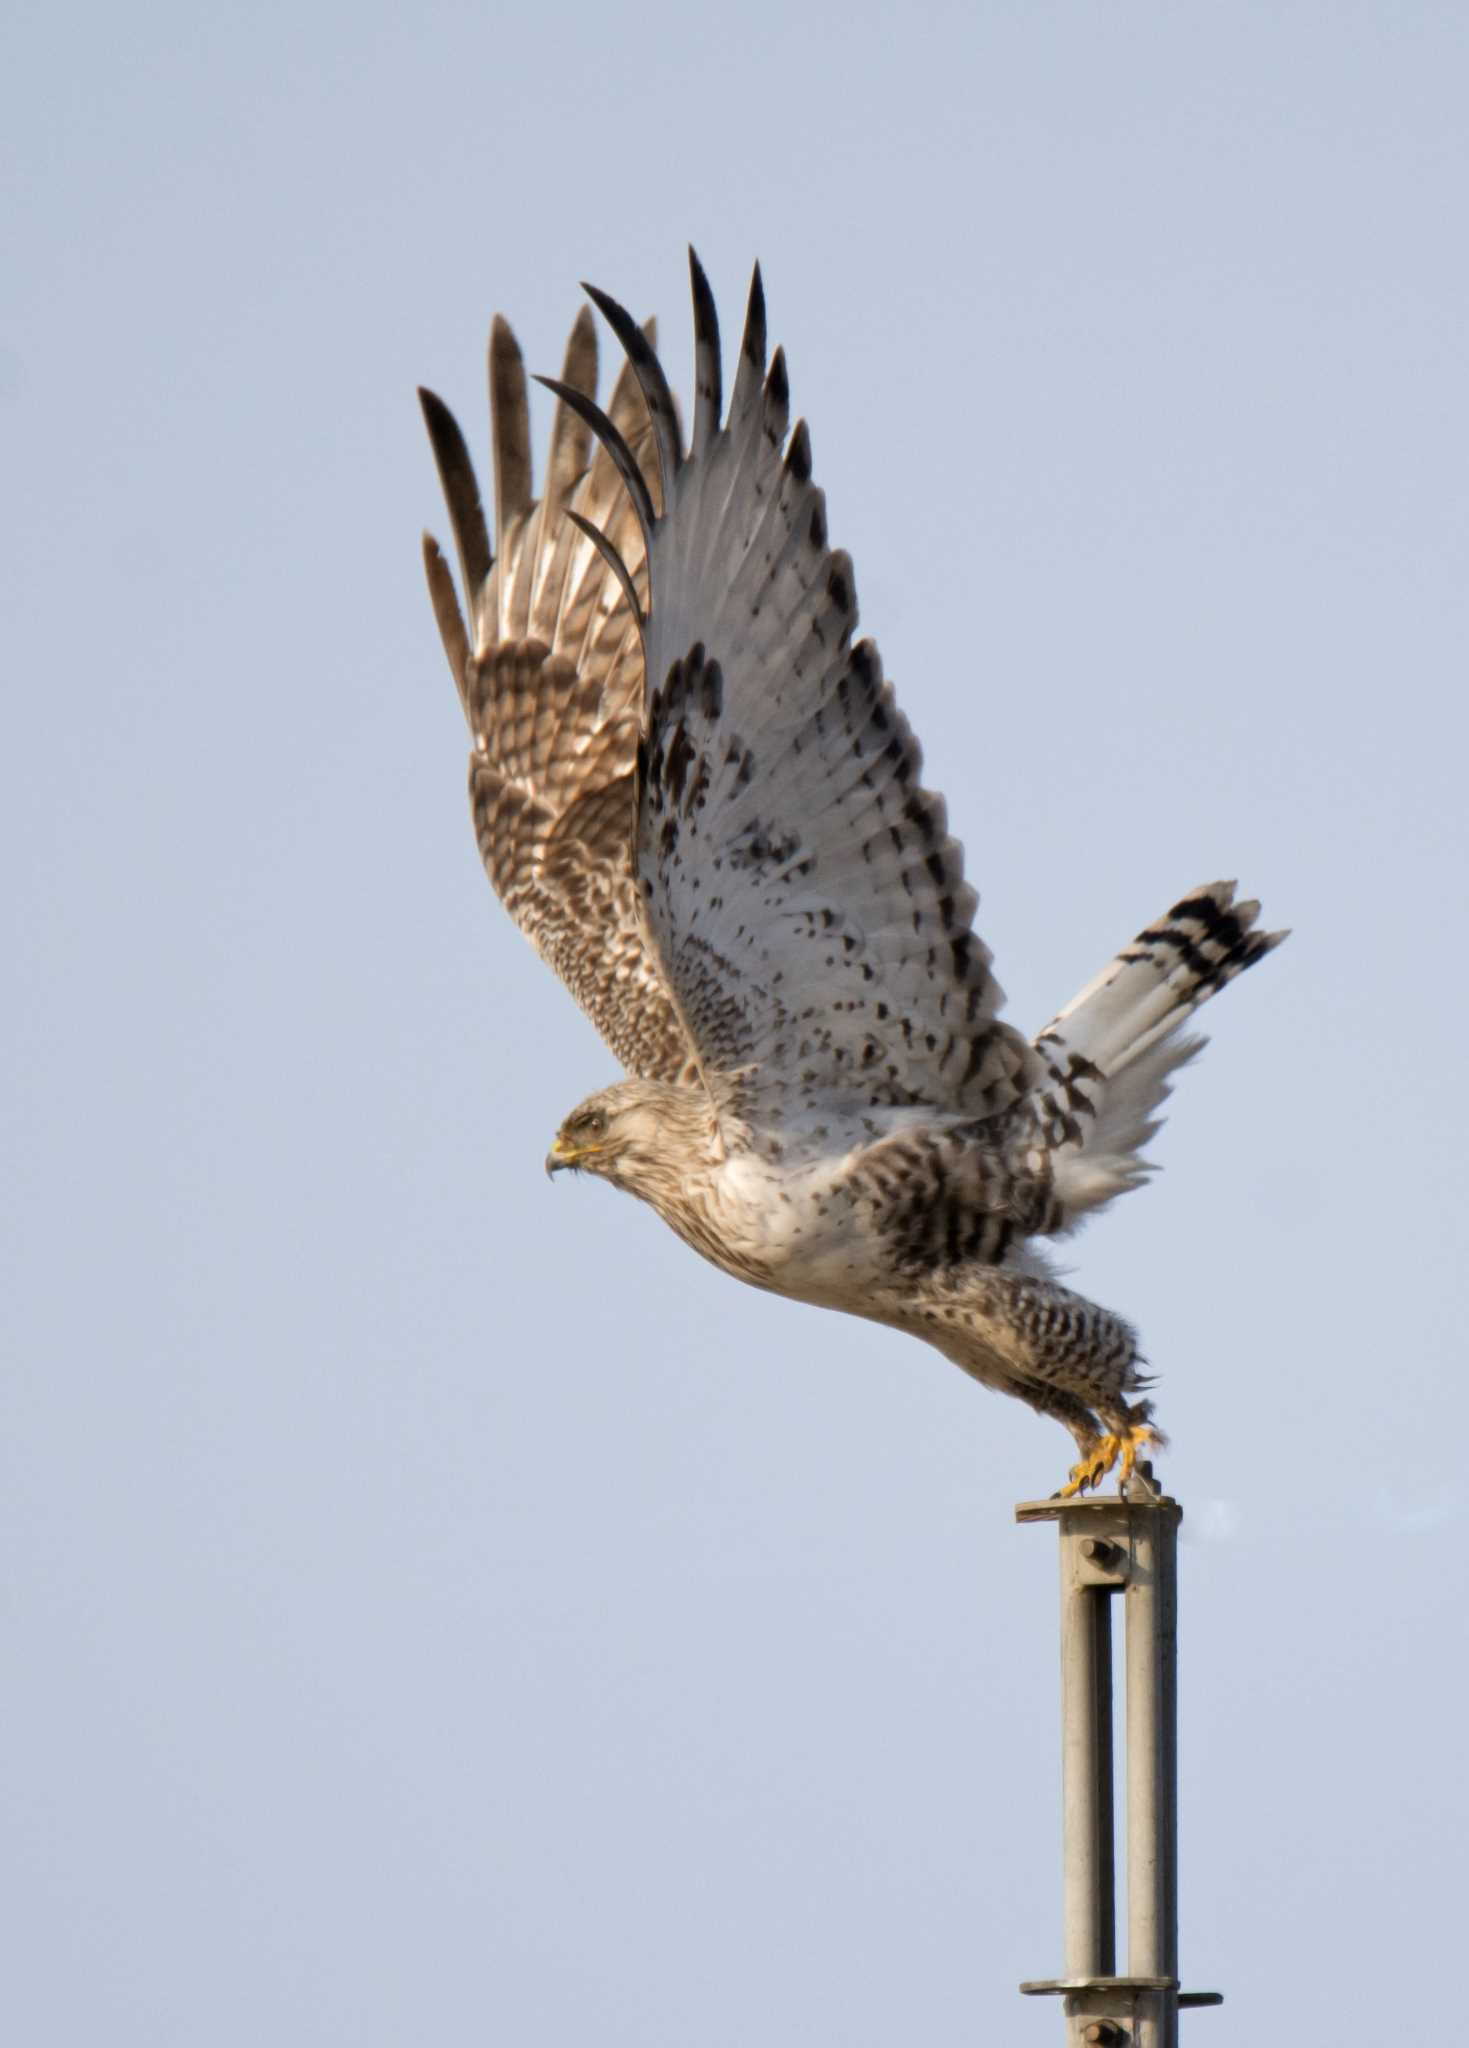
x=697 y=797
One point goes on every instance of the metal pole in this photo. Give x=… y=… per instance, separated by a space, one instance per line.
x=1089 y=1912
x=1119 y=1543
x=1151 y=1606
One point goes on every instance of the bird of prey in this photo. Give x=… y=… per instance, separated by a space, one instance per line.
x=695 y=794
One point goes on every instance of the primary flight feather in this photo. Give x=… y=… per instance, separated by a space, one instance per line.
x=694 y=792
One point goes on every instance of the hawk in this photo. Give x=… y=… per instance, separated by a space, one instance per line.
x=694 y=792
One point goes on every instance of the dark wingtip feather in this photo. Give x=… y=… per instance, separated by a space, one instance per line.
x=570 y=441
x=750 y=364
x=777 y=381
x=461 y=492
x=651 y=381
x=613 y=560
x=626 y=463
x=614 y=312
x=579 y=360
x=752 y=345
x=509 y=426
x=434 y=411
x=640 y=350
x=708 y=369
x=587 y=408
x=777 y=406
x=447 y=614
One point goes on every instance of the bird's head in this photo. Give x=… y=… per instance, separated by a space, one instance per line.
x=639 y=1135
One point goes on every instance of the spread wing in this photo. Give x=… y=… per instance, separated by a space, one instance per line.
x=550 y=672
x=807 y=901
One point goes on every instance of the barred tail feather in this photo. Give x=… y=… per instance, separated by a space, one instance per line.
x=1112 y=1052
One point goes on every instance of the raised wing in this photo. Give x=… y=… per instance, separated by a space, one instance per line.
x=808 y=904
x=550 y=672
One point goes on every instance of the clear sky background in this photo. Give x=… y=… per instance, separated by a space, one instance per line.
x=439 y=1608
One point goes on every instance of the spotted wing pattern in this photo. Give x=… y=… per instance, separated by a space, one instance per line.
x=549 y=669
x=807 y=901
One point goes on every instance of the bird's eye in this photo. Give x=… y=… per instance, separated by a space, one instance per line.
x=592 y=1122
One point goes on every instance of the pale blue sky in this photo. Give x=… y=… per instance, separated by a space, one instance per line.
x=439 y=1608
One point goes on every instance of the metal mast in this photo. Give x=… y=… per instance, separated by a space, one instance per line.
x=1123 y=1543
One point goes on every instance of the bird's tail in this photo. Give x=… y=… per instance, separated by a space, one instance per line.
x=1111 y=1053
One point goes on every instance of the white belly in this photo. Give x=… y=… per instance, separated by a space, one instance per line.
x=796 y=1233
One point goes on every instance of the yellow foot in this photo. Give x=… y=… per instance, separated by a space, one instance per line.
x=1109 y=1451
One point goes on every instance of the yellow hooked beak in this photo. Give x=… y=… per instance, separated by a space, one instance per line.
x=562 y=1155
